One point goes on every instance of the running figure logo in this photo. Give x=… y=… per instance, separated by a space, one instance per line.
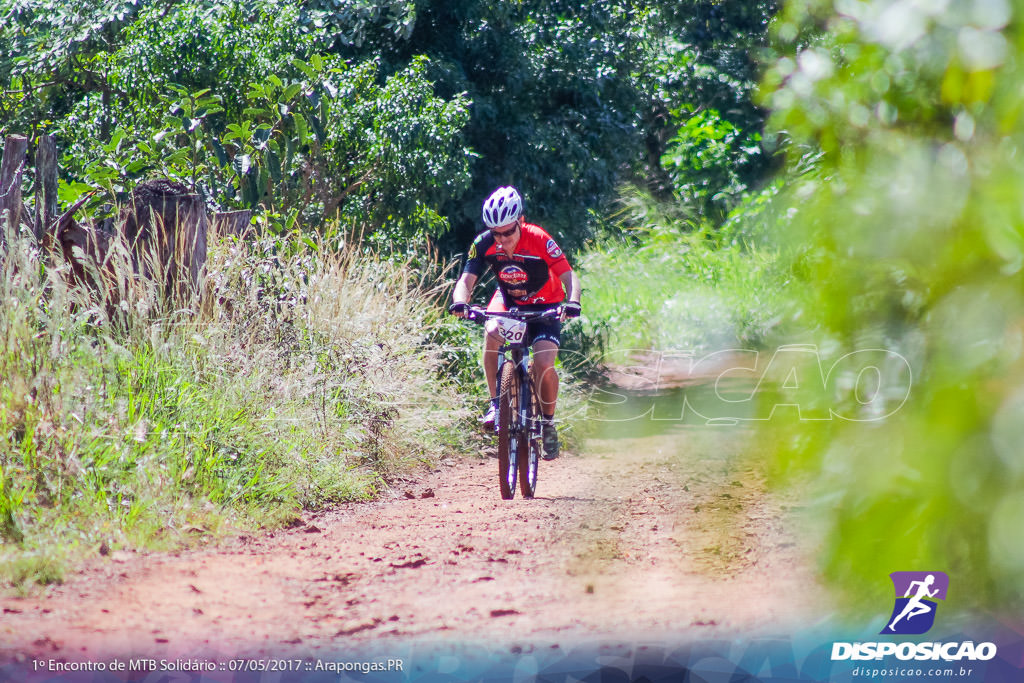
x=916 y=592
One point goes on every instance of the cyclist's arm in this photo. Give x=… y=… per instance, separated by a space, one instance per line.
x=464 y=288
x=571 y=283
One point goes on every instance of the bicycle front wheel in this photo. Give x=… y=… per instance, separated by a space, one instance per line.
x=509 y=434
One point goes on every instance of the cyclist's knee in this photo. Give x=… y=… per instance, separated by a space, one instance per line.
x=545 y=358
x=543 y=363
x=492 y=340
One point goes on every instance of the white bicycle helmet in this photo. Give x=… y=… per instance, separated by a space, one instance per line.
x=502 y=207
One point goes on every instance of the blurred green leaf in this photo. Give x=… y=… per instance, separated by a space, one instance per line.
x=904 y=229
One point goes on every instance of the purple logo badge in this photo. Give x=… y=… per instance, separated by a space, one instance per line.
x=916 y=595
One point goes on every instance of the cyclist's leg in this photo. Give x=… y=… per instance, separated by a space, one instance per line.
x=545 y=337
x=546 y=380
x=545 y=377
x=492 y=342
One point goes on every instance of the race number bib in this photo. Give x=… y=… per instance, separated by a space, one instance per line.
x=512 y=331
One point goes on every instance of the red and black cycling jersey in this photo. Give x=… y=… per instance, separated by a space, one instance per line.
x=529 y=275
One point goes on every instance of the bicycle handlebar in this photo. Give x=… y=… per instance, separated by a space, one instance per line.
x=479 y=315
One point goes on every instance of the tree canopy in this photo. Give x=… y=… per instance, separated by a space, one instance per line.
x=566 y=101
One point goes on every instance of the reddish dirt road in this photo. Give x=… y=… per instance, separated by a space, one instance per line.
x=671 y=535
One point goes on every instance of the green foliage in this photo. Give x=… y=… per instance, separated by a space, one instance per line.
x=703 y=161
x=234 y=101
x=568 y=101
x=554 y=101
x=908 y=232
x=359 y=24
x=108 y=64
x=672 y=284
x=332 y=141
x=220 y=45
x=52 y=53
x=701 y=71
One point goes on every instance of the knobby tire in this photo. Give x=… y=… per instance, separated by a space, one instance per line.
x=508 y=417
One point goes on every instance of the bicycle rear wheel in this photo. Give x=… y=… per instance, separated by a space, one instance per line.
x=508 y=431
x=530 y=440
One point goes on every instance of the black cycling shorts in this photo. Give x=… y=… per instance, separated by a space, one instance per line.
x=548 y=330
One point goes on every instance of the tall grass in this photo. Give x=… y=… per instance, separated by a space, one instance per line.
x=295 y=377
x=664 y=281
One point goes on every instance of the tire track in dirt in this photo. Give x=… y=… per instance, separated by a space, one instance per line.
x=664 y=536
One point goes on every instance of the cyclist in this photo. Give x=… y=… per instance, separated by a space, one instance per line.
x=533 y=275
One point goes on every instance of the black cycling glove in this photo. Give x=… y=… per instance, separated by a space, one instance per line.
x=571 y=309
x=460 y=309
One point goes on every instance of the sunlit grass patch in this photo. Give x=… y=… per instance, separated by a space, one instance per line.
x=665 y=287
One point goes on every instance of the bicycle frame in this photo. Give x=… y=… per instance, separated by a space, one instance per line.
x=520 y=434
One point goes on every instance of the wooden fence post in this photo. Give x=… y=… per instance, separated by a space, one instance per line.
x=230 y=223
x=191 y=234
x=10 y=179
x=46 y=186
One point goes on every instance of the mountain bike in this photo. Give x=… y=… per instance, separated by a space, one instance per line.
x=520 y=431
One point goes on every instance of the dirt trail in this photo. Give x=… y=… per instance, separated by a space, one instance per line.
x=669 y=535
